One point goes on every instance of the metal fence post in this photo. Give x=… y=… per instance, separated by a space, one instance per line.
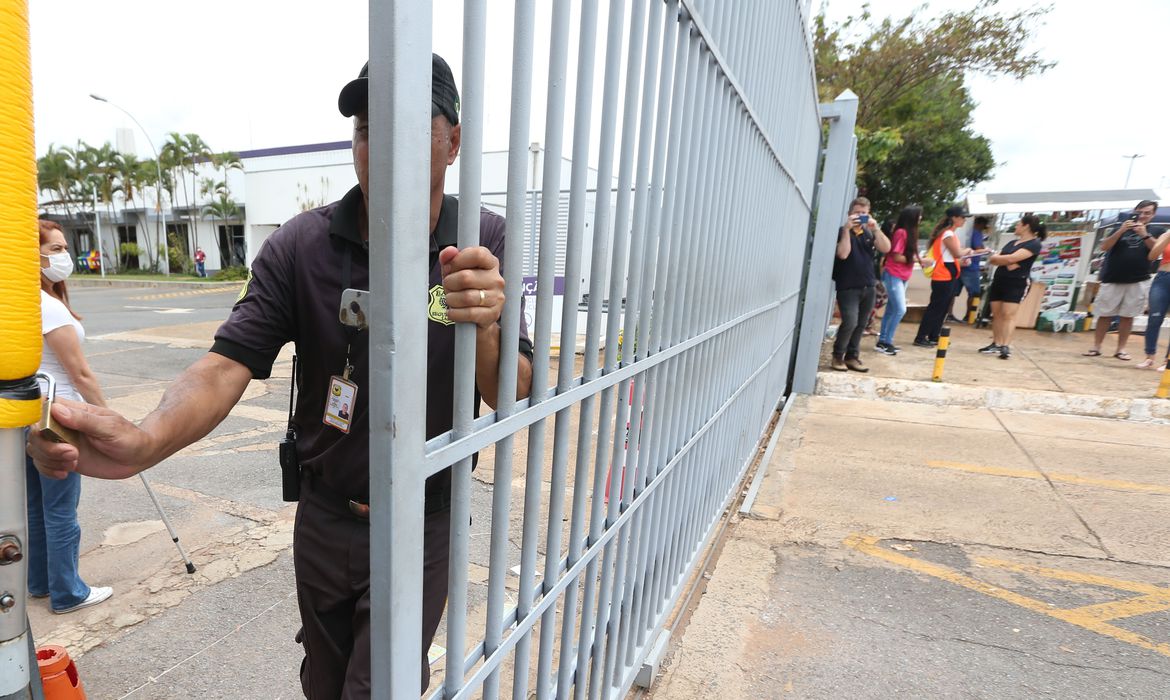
x=837 y=186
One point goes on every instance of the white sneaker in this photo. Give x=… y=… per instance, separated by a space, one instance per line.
x=96 y=595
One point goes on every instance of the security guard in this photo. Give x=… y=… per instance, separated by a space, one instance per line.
x=293 y=294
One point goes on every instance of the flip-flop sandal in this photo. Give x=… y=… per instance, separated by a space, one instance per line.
x=1092 y=353
x=1122 y=355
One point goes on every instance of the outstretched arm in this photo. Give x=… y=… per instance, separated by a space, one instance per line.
x=112 y=447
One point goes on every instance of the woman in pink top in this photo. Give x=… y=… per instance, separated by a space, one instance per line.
x=898 y=268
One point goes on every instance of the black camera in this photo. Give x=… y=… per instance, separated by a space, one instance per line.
x=1134 y=216
x=290 y=467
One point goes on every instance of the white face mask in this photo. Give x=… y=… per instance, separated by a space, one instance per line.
x=60 y=267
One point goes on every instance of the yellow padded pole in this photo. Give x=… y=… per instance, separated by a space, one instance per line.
x=20 y=296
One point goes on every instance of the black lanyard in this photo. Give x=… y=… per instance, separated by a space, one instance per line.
x=346 y=279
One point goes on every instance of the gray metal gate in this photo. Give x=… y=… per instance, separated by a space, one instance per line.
x=629 y=462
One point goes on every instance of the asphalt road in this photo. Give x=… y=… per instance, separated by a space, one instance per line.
x=911 y=551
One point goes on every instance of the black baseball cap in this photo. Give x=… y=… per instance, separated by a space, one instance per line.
x=959 y=211
x=354 y=97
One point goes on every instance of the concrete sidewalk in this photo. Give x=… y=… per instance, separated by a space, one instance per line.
x=917 y=549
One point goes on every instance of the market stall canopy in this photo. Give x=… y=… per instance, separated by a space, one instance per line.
x=1084 y=200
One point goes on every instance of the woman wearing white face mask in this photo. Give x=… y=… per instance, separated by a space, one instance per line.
x=54 y=534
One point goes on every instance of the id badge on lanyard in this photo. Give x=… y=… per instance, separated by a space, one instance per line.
x=341 y=397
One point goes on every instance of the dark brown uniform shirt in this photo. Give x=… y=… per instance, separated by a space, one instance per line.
x=293 y=295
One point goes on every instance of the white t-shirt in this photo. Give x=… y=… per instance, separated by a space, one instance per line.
x=947 y=255
x=53 y=316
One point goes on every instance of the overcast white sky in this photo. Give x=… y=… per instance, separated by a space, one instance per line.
x=260 y=73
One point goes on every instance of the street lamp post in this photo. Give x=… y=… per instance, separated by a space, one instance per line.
x=158 y=167
x=1129 y=172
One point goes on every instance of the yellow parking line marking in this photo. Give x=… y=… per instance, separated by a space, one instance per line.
x=869 y=545
x=1114 y=484
x=1072 y=576
x=188 y=293
x=1131 y=607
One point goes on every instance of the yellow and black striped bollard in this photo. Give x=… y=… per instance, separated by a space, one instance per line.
x=1164 y=387
x=940 y=355
x=973 y=309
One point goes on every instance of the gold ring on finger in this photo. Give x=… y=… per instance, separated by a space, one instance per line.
x=482 y=297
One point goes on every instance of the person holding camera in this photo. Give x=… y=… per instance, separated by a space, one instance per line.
x=853 y=272
x=1123 y=276
x=293 y=295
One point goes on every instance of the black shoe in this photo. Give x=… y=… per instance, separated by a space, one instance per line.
x=1004 y=352
x=952 y=319
x=886 y=349
x=920 y=343
x=990 y=349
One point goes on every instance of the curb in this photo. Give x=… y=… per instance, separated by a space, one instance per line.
x=1150 y=410
x=150 y=284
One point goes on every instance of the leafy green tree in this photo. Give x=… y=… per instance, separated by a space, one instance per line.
x=915 y=142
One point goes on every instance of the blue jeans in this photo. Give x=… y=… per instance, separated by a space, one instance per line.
x=1159 y=305
x=895 y=307
x=54 y=538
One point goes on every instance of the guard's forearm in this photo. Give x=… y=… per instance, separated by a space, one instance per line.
x=197 y=401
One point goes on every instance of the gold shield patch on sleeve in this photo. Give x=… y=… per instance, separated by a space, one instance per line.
x=244 y=289
x=437 y=308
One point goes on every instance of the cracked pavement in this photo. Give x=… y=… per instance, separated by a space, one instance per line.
x=908 y=550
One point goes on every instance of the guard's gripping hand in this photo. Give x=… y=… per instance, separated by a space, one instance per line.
x=110 y=446
x=466 y=273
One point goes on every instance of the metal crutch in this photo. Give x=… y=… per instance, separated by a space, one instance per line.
x=60 y=433
x=167 y=521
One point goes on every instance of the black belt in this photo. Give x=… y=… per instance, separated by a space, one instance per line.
x=359 y=508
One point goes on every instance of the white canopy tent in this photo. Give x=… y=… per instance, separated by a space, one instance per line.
x=1044 y=202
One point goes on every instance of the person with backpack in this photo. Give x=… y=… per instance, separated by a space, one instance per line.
x=947 y=253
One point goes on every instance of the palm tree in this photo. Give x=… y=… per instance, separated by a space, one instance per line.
x=182 y=154
x=222 y=208
x=58 y=173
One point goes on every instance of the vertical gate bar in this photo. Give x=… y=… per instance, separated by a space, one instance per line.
x=671 y=74
x=639 y=244
x=617 y=284
x=686 y=106
x=684 y=223
x=583 y=108
x=601 y=236
x=399 y=113
x=521 y=108
x=691 y=241
x=470 y=184
x=549 y=206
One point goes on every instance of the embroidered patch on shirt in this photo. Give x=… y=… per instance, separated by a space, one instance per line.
x=437 y=308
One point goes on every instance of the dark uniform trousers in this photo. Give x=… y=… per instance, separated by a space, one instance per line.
x=331 y=553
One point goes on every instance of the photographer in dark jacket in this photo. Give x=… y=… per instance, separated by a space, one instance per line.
x=853 y=272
